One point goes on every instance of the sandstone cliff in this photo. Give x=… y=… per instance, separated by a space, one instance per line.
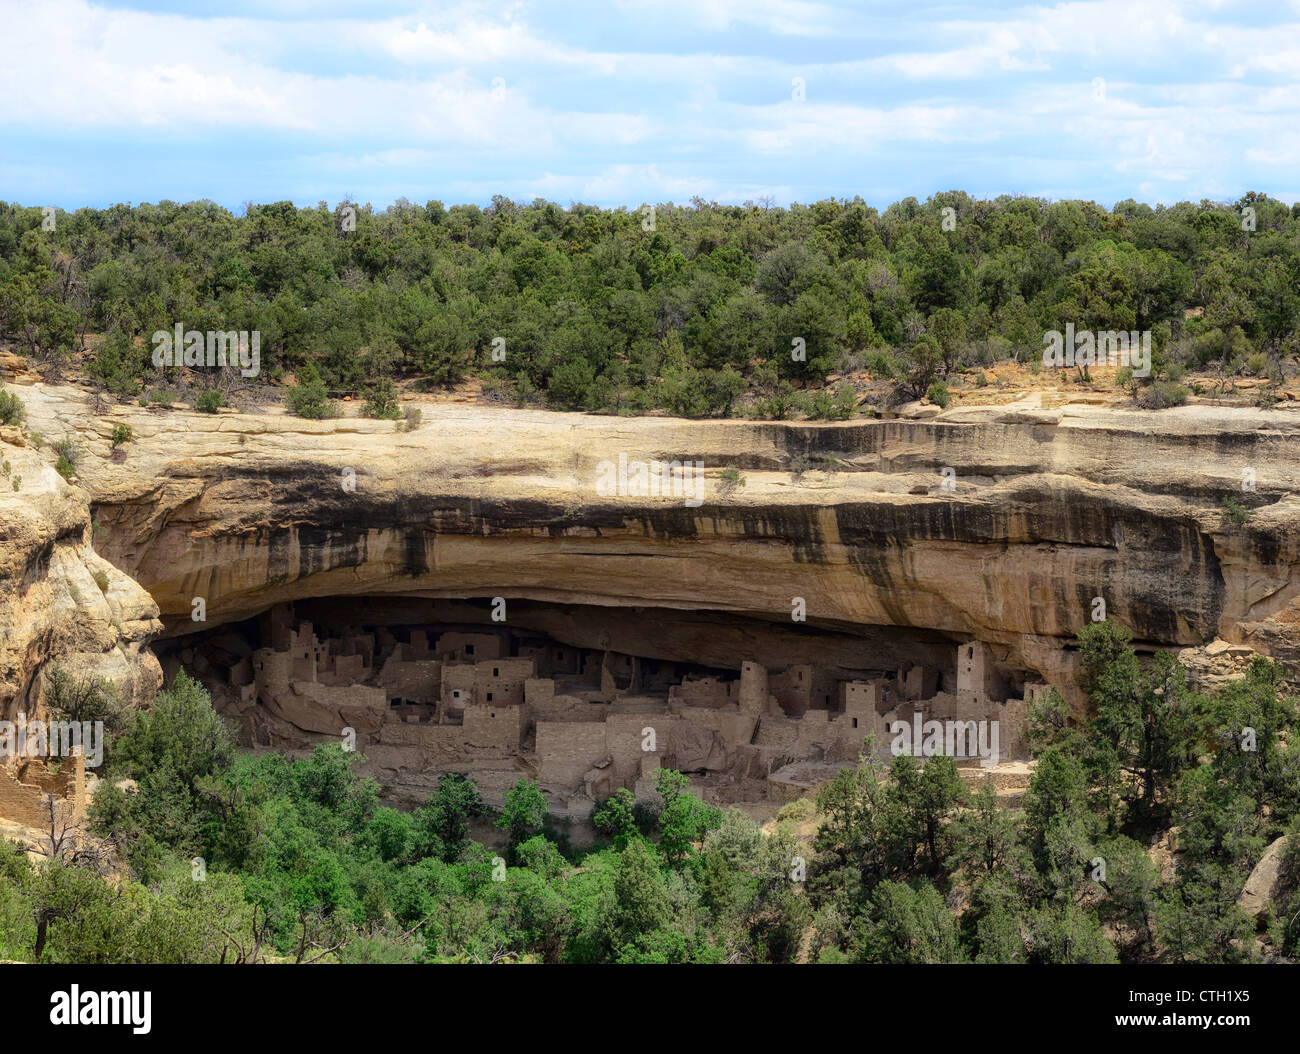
x=60 y=602
x=1001 y=522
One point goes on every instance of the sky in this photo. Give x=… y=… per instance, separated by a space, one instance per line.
x=621 y=103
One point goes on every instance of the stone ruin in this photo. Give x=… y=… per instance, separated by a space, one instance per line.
x=27 y=784
x=499 y=704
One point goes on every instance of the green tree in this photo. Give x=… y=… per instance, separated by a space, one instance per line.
x=684 y=819
x=445 y=817
x=310 y=398
x=523 y=815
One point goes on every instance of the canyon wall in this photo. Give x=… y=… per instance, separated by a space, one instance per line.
x=998 y=523
x=61 y=603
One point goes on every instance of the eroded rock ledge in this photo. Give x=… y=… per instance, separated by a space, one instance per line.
x=1048 y=509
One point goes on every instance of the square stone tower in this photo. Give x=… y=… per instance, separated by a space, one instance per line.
x=976 y=673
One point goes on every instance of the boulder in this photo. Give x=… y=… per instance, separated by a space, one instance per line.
x=1261 y=887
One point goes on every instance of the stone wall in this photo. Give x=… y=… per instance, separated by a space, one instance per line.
x=468 y=647
x=501 y=681
x=417 y=680
x=490 y=726
x=25 y=783
x=458 y=680
x=567 y=749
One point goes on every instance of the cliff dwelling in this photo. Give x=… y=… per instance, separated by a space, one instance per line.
x=585 y=700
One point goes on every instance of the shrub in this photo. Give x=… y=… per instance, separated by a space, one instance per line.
x=18 y=482
x=381 y=401
x=73 y=698
x=310 y=398
x=800 y=810
x=67 y=450
x=778 y=406
x=117 y=365
x=882 y=365
x=122 y=433
x=980 y=380
x=210 y=401
x=937 y=393
x=64 y=467
x=12 y=410
x=825 y=407
x=1161 y=395
x=732 y=480
x=1257 y=364
x=101 y=580
x=162 y=397
x=1234 y=511
x=523 y=391
x=411 y=418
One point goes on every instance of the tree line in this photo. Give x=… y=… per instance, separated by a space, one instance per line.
x=697 y=310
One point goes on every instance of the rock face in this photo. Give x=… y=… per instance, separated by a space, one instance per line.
x=61 y=604
x=1215 y=666
x=1002 y=524
x=1261 y=888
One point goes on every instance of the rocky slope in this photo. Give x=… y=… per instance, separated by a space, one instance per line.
x=999 y=522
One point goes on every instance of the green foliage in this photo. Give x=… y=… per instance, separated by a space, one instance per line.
x=920 y=363
x=174 y=751
x=310 y=398
x=1048 y=722
x=1146 y=720
x=1161 y=395
x=381 y=401
x=1235 y=512
x=445 y=817
x=615 y=817
x=641 y=903
x=118 y=364
x=823 y=406
x=523 y=815
x=209 y=401
x=12 y=410
x=68 y=451
x=683 y=819
x=937 y=393
x=730 y=480
x=122 y=433
x=73 y=698
x=696 y=318
x=907 y=924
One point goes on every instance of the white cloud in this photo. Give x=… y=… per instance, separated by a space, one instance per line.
x=412 y=92
x=781 y=17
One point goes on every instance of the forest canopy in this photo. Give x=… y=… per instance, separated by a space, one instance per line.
x=699 y=310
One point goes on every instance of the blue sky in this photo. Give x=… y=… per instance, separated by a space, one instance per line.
x=619 y=103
